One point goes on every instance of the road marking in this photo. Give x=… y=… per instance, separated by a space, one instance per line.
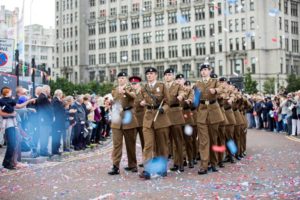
x=292 y=138
x=106 y=150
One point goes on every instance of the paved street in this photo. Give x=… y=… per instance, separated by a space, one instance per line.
x=271 y=170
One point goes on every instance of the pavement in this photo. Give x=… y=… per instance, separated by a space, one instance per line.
x=271 y=170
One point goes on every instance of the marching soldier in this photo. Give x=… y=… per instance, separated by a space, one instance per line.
x=208 y=118
x=188 y=117
x=125 y=95
x=156 y=122
x=139 y=111
x=177 y=95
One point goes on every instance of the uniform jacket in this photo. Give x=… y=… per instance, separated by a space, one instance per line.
x=139 y=111
x=209 y=114
x=161 y=93
x=187 y=112
x=127 y=102
x=175 y=112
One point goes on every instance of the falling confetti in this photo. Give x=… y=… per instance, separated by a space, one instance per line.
x=127 y=118
x=188 y=130
x=231 y=146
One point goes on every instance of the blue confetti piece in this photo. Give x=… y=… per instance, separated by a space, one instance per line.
x=231 y=146
x=232 y=1
x=181 y=19
x=156 y=165
x=127 y=117
x=274 y=12
x=197 y=97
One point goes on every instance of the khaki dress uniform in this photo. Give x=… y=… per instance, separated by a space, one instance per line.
x=139 y=112
x=209 y=116
x=128 y=131
x=155 y=133
x=239 y=123
x=177 y=120
x=189 y=120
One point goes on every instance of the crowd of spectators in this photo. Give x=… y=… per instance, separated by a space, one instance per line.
x=48 y=125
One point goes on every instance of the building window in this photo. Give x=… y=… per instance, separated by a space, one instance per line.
x=186 y=14
x=220 y=68
x=172 y=2
x=102 y=59
x=287 y=48
x=92 y=60
x=173 y=52
x=200 y=31
x=159 y=19
x=135 y=39
x=146 y=21
x=243 y=43
x=286 y=8
x=101 y=28
x=160 y=52
x=160 y=72
x=220 y=29
x=159 y=36
x=147 y=38
x=294 y=9
x=200 y=49
x=253 y=61
x=172 y=18
x=135 y=71
x=92 y=75
x=211 y=11
x=212 y=30
x=295 y=46
x=231 y=44
x=102 y=13
x=295 y=27
x=252 y=23
x=186 y=50
x=212 y=47
x=123 y=56
x=124 y=9
x=135 y=24
x=92 y=45
x=92 y=3
x=135 y=7
x=280 y=23
x=237 y=44
x=252 y=42
x=286 y=26
x=92 y=29
x=230 y=26
x=243 y=24
x=112 y=42
x=135 y=55
x=92 y=15
x=148 y=5
x=237 y=25
x=101 y=2
x=160 y=3
x=172 y=34
x=219 y=9
x=199 y=13
x=220 y=44
x=148 y=54
x=123 y=25
x=186 y=68
x=113 y=57
x=123 y=40
x=113 y=26
x=186 y=33
x=251 y=5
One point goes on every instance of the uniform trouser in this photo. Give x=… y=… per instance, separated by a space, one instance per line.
x=170 y=144
x=195 y=142
x=156 y=143
x=140 y=132
x=10 y=135
x=130 y=142
x=177 y=135
x=189 y=147
x=208 y=135
x=229 y=134
x=221 y=141
x=237 y=138
x=243 y=138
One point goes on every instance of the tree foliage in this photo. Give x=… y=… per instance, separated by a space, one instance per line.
x=249 y=83
x=293 y=83
x=269 y=85
x=72 y=89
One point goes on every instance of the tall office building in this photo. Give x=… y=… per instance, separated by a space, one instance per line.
x=131 y=35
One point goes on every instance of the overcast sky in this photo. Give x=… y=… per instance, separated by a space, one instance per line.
x=43 y=11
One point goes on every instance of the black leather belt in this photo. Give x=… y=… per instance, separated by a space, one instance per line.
x=152 y=107
x=187 y=108
x=228 y=108
x=127 y=108
x=207 y=102
x=174 y=105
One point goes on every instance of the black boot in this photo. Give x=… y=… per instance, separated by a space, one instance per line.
x=114 y=171
x=191 y=164
x=175 y=168
x=145 y=175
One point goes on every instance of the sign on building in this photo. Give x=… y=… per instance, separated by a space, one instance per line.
x=6 y=55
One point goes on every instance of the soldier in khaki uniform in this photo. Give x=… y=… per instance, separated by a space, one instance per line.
x=188 y=117
x=177 y=95
x=208 y=118
x=139 y=111
x=125 y=95
x=156 y=122
x=227 y=104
